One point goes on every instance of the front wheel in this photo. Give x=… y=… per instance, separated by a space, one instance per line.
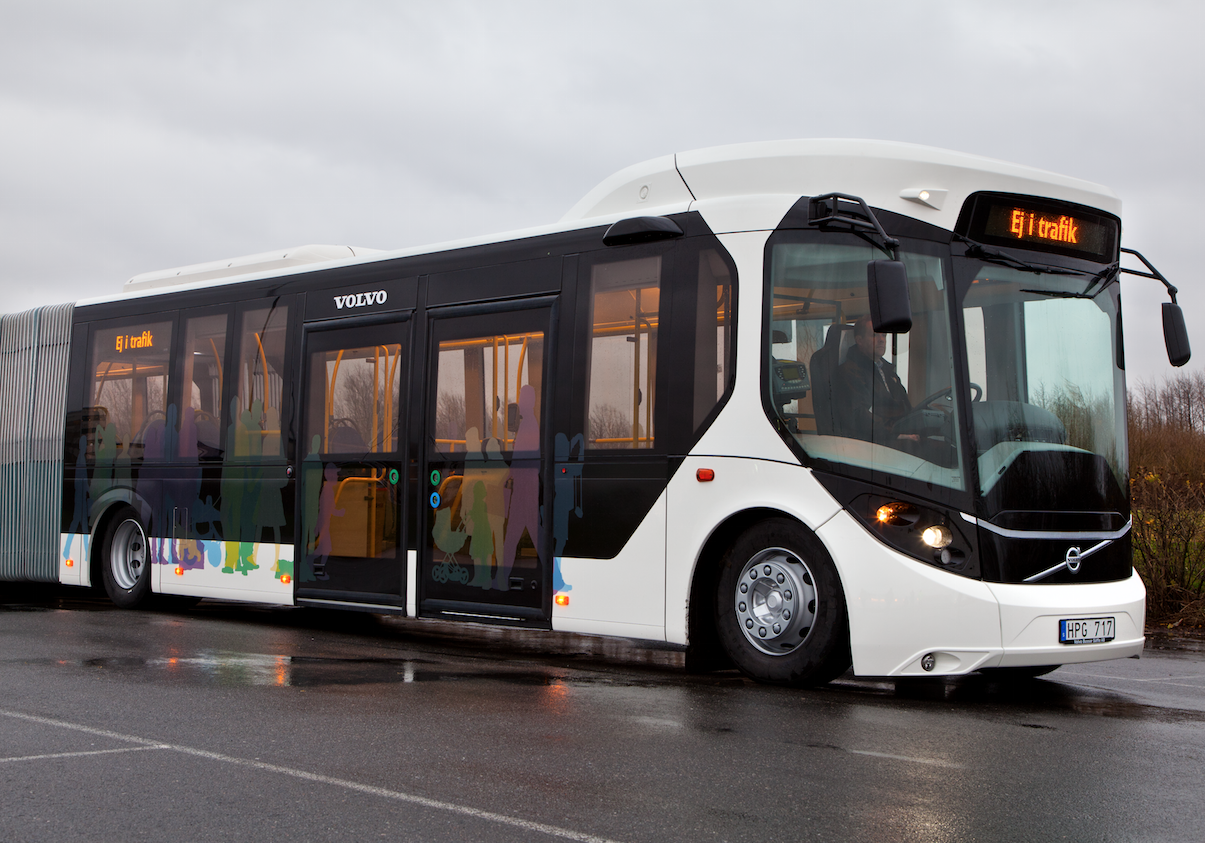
x=780 y=608
x=126 y=558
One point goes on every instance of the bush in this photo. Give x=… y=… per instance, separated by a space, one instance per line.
x=1167 y=486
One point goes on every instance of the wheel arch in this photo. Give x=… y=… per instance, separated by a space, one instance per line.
x=101 y=514
x=703 y=650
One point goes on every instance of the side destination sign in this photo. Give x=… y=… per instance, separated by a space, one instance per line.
x=364 y=299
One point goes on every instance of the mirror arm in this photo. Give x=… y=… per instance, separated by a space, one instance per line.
x=1154 y=273
x=819 y=212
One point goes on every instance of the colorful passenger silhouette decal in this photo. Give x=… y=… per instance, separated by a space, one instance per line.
x=486 y=507
x=311 y=481
x=450 y=541
x=523 y=494
x=566 y=498
x=326 y=511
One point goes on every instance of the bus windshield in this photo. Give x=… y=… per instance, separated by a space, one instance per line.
x=1048 y=389
x=850 y=397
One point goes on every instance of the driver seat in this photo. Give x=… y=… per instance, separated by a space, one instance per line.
x=824 y=364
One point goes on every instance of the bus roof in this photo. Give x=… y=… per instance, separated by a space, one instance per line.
x=887 y=174
x=925 y=182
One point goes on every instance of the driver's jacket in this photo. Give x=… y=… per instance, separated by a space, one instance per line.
x=870 y=399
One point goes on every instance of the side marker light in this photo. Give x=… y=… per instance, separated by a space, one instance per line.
x=179 y=571
x=70 y=563
x=561 y=599
x=705 y=475
x=285 y=579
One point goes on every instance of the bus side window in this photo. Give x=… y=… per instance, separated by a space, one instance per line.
x=625 y=299
x=127 y=391
x=202 y=417
x=712 y=361
x=255 y=423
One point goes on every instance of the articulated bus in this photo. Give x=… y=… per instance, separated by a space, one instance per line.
x=793 y=407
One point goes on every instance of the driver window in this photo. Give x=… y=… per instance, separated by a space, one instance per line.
x=845 y=393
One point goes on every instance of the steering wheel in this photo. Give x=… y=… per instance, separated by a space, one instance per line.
x=976 y=395
x=927 y=422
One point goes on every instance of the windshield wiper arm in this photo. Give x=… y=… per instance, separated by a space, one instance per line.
x=1060 y=294
x=981 y=252
x=1104 y=278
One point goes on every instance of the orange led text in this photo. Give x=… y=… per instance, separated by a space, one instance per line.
x=1024 y=223
x=143 y=340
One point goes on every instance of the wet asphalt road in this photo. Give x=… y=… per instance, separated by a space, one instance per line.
x=234 y=723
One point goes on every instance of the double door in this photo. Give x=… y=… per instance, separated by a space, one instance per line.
x=459 y=480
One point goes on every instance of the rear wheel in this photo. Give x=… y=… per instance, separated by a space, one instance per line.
x=125 y=558
x=780 y=609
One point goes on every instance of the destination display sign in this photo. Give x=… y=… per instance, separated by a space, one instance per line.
x=127 y=341
x=1043 y=225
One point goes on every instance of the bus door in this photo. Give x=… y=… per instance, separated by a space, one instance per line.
x=352 y=476
x=483 y=550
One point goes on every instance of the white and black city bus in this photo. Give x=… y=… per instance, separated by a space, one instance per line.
x=793 y=406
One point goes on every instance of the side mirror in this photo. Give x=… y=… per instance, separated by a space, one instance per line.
x=890 y=307
x=1175 y=335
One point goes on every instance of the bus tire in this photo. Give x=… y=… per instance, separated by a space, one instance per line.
x=780 y=608
x=126 y=560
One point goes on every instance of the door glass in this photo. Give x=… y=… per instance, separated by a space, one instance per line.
x=354 y=399
x=350 y=475
x=484 y=464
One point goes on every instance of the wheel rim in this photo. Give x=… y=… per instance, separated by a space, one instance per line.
x=775 y=601
x=128 y=556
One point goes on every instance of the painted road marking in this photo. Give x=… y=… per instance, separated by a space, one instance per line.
x=396 y=795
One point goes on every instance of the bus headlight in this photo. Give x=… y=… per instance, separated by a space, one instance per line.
x=937 y=536
x=919 y=529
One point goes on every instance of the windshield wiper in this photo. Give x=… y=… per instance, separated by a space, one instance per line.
x=1104 y=278
x=983 y=253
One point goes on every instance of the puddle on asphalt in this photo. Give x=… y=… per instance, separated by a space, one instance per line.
x=247 y=670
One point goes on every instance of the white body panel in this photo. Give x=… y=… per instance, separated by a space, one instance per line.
x=696 y=509
x=621 y=596
x=901 y=609
x=1029 y=620
x=220 y=577
x=74 y=551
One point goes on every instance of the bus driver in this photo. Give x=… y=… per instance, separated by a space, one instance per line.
x=870 y=397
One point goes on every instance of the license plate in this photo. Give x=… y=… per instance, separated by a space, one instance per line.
x=1087 y=630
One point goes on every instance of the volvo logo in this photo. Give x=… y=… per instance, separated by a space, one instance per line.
x=361 y=299
x=1072 y=559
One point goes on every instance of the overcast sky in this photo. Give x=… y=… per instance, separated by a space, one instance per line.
x=141 y=136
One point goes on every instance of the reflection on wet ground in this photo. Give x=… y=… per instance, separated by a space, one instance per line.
x=418 y=651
